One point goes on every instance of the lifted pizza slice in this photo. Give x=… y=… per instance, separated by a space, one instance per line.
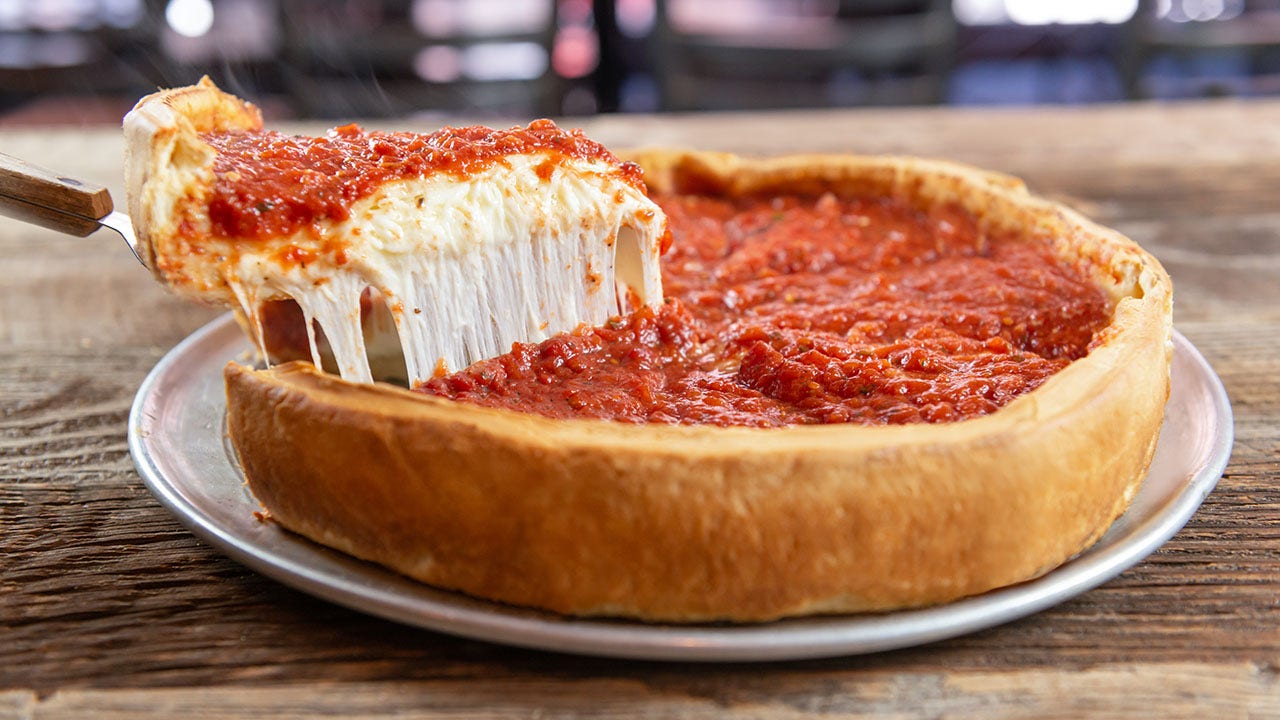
x=471 y=238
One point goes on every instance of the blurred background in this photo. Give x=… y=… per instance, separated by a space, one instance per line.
x=86 y=61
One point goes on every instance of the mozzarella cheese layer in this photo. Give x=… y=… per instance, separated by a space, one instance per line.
x=466 y=267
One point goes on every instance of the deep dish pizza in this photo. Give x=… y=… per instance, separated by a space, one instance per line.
x=872 y=383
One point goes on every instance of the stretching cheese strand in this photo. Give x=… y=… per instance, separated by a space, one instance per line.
x=465 y=264
x=502 y=257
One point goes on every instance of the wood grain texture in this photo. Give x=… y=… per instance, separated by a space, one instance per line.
x=110 y=608
x=1169 y=691
x=37 y=185
x=46 y=218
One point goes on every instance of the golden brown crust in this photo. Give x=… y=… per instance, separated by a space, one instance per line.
x=165 y=158
x=699 y=523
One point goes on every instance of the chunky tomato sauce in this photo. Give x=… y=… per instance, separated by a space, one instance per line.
x=268 y=184
x=799 y=311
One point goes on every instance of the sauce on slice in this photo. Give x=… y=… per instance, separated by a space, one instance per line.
x=785 y=311
x=268 y=184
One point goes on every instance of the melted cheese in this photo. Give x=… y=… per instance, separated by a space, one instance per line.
x=465 y=267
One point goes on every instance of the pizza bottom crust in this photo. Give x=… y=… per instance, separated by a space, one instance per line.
x=691 y=524
x=685 y=528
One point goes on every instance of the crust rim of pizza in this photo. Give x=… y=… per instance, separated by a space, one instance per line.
x=691 y=524
x=161 y=135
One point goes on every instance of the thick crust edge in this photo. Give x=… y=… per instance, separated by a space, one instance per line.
x=164 y=154
x=691 y=524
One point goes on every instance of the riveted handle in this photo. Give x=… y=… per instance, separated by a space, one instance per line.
x=41 y=197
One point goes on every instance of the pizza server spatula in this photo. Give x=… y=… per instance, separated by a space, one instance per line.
x=41 y=197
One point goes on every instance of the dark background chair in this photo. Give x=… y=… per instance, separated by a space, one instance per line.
x=1174 y=50
x=399 y=57
x=858 y=52
x=87 y=61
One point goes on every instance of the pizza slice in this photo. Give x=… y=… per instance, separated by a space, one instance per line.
x=469 y=239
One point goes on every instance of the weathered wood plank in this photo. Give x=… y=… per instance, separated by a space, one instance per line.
x=1017 y=140
x=1172 y=691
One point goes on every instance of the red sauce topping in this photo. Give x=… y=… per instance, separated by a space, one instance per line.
x=796 y=311
x=268 y=184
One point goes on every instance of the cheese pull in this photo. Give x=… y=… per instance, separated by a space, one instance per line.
x=460 y=242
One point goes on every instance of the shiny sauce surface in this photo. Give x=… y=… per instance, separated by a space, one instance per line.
x=269 y=184
x=789 y=311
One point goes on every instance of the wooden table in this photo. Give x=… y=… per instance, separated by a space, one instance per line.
x=110 y=608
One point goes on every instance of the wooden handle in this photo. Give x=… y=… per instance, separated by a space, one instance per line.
x=44 y=198
x=46 y=217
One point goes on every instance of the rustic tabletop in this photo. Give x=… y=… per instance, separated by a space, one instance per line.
x=110 y=608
